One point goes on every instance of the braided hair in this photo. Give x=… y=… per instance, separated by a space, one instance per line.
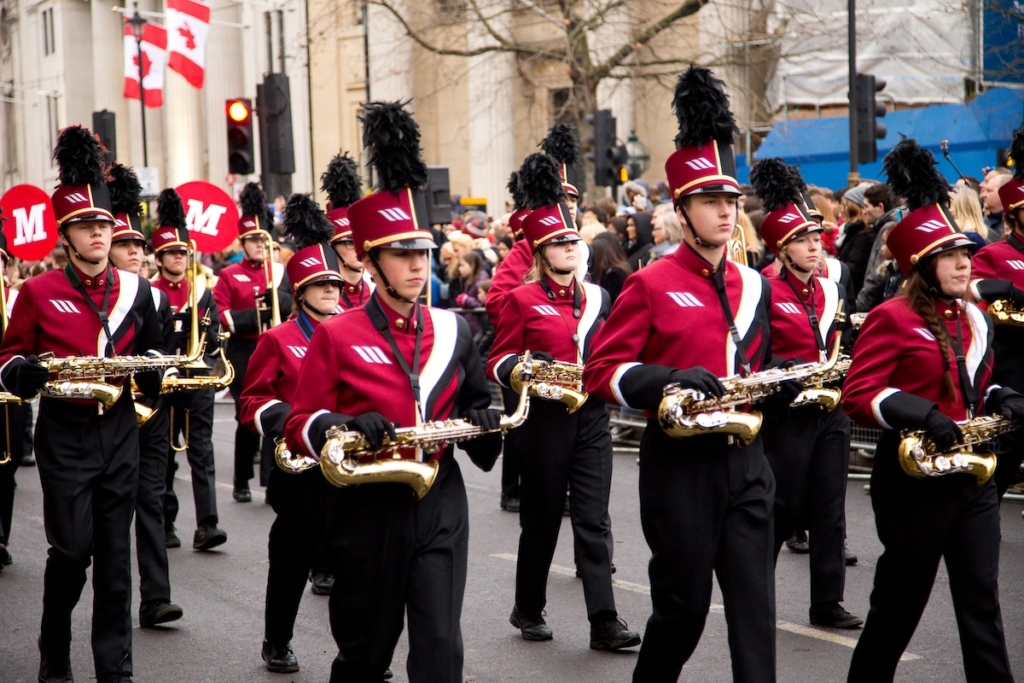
x=921 y=295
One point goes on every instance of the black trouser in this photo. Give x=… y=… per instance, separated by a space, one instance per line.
x=510 y=449
x=1008 y=372
x=706 y=508
x=921 y=522
x=1009 y=450
x=560 y=451
x=300 y=501
x=247 y=442
x=393 y=557
x=89 y=470
x=810 y=453
x=18 y=416
x=200 y=460
x=150 y=537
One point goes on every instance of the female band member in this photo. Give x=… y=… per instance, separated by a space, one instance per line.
x=809 y=447
x=923 y=361
x=555 y=316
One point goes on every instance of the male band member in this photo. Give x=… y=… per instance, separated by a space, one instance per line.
x=555 y=316
x=706 y=502
x=88 y=456
x=395 y=362
x=998 y=275
x=235 y=294
x=127 y=251
x=343 y=187
x=923 y=361
x=809 y=450
x=191 y=409
x=299 y=499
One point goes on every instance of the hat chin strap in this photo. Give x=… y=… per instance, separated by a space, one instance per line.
x=792 y=264
x=689 y=226
x=392 y=292
x=560 y=271
x=312 y=309
x=74 y=251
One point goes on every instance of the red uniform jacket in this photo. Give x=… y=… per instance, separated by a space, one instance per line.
x=354 y=296
x=350 y=370
x=507 y=276
x=669 y=316
x=792 y=336
x=273 y=377
x=531 y=321
x=998 y=261
x=177 y=295
x=896 y=375
x=236 y=302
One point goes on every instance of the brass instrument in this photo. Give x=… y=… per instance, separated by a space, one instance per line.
x=268 y=274
x=1003 y=312
x=5 y=398
x=553 y=381
x=857 y=319
x=817 y=389
x=688 y=412
x=339 y=458
x=737 y=247
x=920 y=459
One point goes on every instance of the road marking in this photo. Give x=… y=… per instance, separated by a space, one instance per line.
x=799 y=629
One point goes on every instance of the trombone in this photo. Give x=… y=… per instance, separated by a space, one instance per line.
x=6 y=398
x=268 y=275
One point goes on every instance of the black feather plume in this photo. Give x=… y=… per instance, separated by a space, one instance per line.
x=702 y=109
x=252 y=202
x=776 y=183
x=562 y=145
x=78 y=156
x=393 y=139
x=518 y=198
x=125 y=190
x=169 y=210
x=341 y=182
x=539 y=181
x=913 y=175
x=306 y=222
x=1017 y=153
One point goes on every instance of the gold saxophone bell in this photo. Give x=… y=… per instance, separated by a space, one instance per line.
x=920 y=458
x=290 y=462
x=674 y=419
x=553 y=381
x=417 y=475
x=1003 y=312
x=143 y=413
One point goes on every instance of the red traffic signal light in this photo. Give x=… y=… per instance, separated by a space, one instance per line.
x=241 y=159
x=239 y=111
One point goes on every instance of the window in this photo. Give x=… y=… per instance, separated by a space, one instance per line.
x=49 y=42
x=52 y=120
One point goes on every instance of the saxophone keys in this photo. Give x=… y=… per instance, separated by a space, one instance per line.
x=918 y=453
x=960 y=461
x=925 y=468
x=942 y=464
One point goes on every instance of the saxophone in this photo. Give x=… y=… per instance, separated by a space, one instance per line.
x=921 y=459
x=339 y=458
x=554 y=381
x=1003 y=312
x=688 y=412
x=817 y=389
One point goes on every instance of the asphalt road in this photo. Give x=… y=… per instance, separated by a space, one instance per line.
x=222 y=593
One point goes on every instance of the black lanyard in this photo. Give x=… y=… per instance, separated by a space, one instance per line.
x=380 y=321
x=76 y=282
x=305 y=325
x=723 y=298
x=967 y=390
x=812 y=316
x=1015 y=241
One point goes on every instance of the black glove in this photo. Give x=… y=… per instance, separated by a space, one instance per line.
x=265 y=316
x=541 y=355
x=780 y=400
x=374 y=427
x=488 y=418
x=179 y=400
x=1006 y=402
x=942 y=430
x=991 y=290
x=24 y=377
x=149 y=383
x=698 y=378
x=1017 y=297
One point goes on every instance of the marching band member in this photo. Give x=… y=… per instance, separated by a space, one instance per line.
x=554 y=317
x=88 y=458
x=809 y=451
x=127 y=251
x=690 y=318
x=235 y=295
x=923 y=361
x=395 y=362
x=343 y=187
x=298 y=499
x=997 y=273
x=193 y=410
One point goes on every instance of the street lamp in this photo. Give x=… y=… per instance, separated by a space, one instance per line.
x=638 y=154
x=138 y=26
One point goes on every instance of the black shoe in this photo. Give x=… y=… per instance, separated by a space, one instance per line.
x=509 y=503
x=565 y=508
x=612 y=634
x=280 y=660
x=797 y=543
x=532 y=628
x=833 y=615
x=322 y=583
x=172 y=538
x=154 y=613
x=28 y=460
x=242 y=494
x=115 y=678
x=5 y=556
x=849 y=556
x=53 y=671
x=388 y=675
x=208 y=538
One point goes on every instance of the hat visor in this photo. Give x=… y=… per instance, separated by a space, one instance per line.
x=129 y=235
x=420 y=243
x=716 y=186
x=325 y=276
x=99 y=216
x=960 y=241
x=562 y=238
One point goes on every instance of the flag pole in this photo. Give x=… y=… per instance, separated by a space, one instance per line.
x=138 y=26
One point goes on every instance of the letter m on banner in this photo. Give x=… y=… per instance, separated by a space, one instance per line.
x=29 y=224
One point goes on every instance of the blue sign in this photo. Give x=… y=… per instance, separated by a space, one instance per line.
x=1003 y=41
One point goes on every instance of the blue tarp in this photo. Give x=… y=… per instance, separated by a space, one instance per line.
x=975 y=132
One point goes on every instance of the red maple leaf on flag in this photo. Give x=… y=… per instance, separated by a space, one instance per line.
x=146 y=63
x=190 y=40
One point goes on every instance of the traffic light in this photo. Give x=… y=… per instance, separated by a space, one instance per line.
x=105 y=130
x=869 y=110
x=603 y=141
x=241 y=160
x=273 y=106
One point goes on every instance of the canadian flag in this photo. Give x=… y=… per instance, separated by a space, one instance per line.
x=188 y=25
x=154 y=58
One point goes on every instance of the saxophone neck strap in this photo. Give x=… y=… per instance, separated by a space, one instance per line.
x=380 y=321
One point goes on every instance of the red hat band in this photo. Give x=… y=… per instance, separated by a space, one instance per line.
x=549 y=224
x=387 y=220
x=125 y=228
x=782 y=225
x=694 y=170
x=82 y=203
x=169 y=237
x=309 y=265
x=923 y=232
x=1011 y=194
x=342 y=225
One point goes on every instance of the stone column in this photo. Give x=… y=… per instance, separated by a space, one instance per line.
x=183 y=127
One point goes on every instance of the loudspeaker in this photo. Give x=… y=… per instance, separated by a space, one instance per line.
x=438 y=195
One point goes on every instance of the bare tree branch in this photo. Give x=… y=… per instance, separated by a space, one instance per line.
x=645 y=36
x=600 y=14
